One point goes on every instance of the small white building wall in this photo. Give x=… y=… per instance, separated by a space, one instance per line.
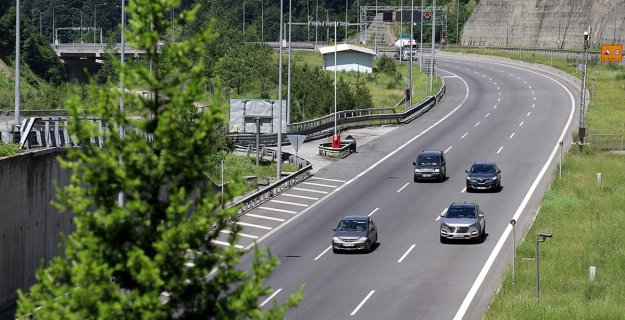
x=349 y=61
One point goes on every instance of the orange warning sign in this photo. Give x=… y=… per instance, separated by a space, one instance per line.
x=611 y=52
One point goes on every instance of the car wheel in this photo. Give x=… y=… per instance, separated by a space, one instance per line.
x=416 y=179
x=368 y=246
x=443 y=240
x=468 y=189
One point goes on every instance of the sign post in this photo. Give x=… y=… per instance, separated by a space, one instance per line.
x=297 y=141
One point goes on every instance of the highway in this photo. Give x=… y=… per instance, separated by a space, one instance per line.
x=492 y=111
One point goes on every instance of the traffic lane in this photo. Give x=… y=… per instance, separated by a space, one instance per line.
x=380 y=224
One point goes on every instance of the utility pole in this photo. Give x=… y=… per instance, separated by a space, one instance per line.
x=279 y=147
x=17 y=64
x=346 y=22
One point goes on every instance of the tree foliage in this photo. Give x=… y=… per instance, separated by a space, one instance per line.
x=145 y=215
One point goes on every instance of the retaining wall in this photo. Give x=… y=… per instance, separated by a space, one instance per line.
x=30 y=226
x=545 y=23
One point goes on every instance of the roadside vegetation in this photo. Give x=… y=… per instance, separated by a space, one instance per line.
x=585 y=217
x=9 y=149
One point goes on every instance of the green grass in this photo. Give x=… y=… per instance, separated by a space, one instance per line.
x=241 y=166
x=586 y=218
x=9 y=149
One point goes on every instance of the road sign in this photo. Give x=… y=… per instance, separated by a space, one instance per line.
x=296 y=141
x=427 y=16
x=611 y=52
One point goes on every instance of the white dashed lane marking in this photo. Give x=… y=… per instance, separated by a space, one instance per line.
x=521 y=124
x=374 y=211
x=464 y=135
x=276 y=210
x=533 y=105
x=226 y=244
x=244 y=235
x=477 y=124
x=362 y=303
x=442 y=213
x=264 y=217
x=486 y=116
x=309 y=190
x=512 y=135
x=319 y=184
x=446 y=150
x=528 y=114
x=270 y=297
x=406 y=254
x=245 y=224
x=326 y=179
x=500 y=148
x=402 y=188
x=297 y=196
x=289 y=203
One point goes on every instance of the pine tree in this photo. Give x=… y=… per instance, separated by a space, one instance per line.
x=144 y=212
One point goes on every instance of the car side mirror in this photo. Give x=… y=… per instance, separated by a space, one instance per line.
x=467 y=171
x=481 y=215
x=333 y=229
x=414 y=163
x=443 y=214
x=498 y=170
x=443 y=163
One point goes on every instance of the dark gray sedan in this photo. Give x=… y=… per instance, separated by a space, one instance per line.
x=354 y=233
x=463 y=221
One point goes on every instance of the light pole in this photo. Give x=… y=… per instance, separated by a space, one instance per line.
x=262 y=21
x=279 y=147
x=31 y=11
x=317 y=21
x=411 y=47
x=513 y=223
x=80 y=22
x=457 y=15
x=540 y=237
x=53 y=24
x=375 y=37
x=95 y=15
x=346 y=11
x=288 y=84
x=335 y=67
x=401 y=29
x=433 y=48
x=421 y=39
x=17 y=64
x=122 y=130
x=327 y=27
x=243 y=16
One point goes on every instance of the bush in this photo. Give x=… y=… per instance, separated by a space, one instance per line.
x=9 y=149
x=387 y=65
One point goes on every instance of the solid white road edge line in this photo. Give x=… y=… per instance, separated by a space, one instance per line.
x=392 y=153
x=406 y=254
x=271 y=297
x=491 y=259
x=362 y=303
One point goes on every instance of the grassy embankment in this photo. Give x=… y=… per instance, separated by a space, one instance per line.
x=586 y=218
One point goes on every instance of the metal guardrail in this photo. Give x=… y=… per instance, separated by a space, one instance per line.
x=255 y=199
x=594 y=55
x=348 y=119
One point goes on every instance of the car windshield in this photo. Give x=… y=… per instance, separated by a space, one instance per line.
x=483 y=168
x=352 y=225
x=461 y=212
x=426 y=160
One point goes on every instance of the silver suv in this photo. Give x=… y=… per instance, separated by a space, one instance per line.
x=430 y=164
x=463 y=221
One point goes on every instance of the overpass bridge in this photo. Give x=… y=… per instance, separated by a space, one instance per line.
x=79 y=57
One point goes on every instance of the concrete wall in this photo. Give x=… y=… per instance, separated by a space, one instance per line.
x=30 y=226
x=545 y=23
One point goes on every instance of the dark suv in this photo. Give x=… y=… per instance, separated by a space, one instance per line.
x=483 y=176
x=430 y=164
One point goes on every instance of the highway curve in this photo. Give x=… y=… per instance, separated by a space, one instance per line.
x=493 y=111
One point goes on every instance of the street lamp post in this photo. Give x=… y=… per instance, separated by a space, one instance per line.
x=262 y=21
x=433 y=48
x=346 y=11
x=540 y=237
x=375 y=38
x=243 y=16
x=17 y=64
x=80 y=22
x=317 y=21
x=95 y=15
x=411 y=48
x=421 y=39
x=279 y=147
x=288 y=85
x=53 y=24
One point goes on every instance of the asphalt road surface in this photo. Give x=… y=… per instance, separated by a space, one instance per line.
x=493 y=111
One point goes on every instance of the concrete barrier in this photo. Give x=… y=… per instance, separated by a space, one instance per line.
x=30 y=226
